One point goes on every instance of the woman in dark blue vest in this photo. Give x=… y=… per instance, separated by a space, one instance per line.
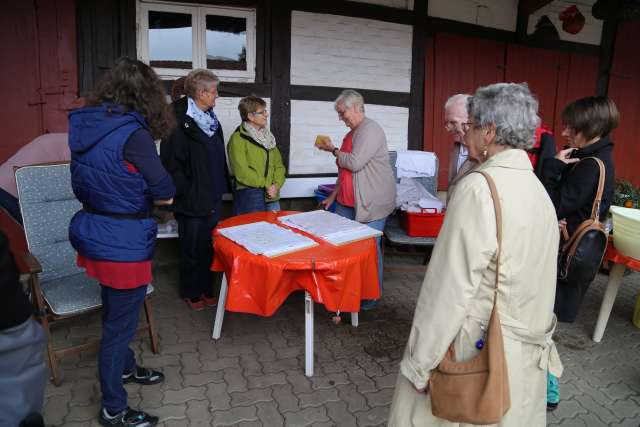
x=117 y=175
x=194 y=155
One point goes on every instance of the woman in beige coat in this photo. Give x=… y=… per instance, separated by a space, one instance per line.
x=457 y=294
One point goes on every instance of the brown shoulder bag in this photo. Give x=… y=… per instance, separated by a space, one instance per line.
x=475 y=391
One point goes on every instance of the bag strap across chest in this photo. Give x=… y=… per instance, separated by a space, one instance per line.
x=498 y=210
x=594 y=219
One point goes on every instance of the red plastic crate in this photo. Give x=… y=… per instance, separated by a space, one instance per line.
x=422 y=224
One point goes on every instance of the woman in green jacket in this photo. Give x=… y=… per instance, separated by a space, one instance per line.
x=255 y=160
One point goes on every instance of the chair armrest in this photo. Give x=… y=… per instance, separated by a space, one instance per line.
x=31 y=264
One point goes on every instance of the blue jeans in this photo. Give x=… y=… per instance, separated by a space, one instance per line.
x=348 y=212
x=249 y=200
x=11 y=205
x=120 y=312
x=273 y=206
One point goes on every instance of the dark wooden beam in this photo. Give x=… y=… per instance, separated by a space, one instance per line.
x=106 y=30
x=607 y=47
x=565 y=46
x=234 y=89
x=527 y=7
x=325 y=93
x=281 y=76
x=232 y=3
x=440 y=25
x=356 y=10
x=418 y=52
x=263 y=42
x=522 y=22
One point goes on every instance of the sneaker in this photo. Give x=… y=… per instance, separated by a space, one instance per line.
x=209 y=301
x=127 y=418
x=195 y=304
x=143 y=376
x=368 y=304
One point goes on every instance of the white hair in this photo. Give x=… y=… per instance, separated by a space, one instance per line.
x=511 y=108
x=457 y=98
x=349 y=98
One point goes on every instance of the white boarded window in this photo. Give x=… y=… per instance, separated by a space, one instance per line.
x=176 y=38
x=342 y=51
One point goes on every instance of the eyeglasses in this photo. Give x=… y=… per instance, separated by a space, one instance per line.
x=341 y=113
x=466 y=126
x=260 y=113
x=451 y=126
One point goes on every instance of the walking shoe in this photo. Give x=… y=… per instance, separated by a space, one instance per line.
x=143 y=376
x=195 y=304
x=209 y=301
x=127 y=418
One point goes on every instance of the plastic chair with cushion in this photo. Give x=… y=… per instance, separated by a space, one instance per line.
x=59 y=288
x=394 y=234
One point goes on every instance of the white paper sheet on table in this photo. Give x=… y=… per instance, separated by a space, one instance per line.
x=265 y=238
x=330 y=227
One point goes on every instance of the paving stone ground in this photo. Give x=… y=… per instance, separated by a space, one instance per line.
x=254 y=375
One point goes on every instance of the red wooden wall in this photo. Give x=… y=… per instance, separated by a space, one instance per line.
x=38 y=78
x=624 y=89
x=455 y=64
x=458 y=64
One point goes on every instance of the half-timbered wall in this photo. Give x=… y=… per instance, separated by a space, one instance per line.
x=344 y=52
x=404 y=62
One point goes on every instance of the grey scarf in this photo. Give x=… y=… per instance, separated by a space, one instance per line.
x=262 y=136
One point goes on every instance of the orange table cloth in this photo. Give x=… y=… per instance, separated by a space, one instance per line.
x=336 y=276
x=616 y=257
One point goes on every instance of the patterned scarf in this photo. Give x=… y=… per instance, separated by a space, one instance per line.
x=262 y=136
x=206 y=120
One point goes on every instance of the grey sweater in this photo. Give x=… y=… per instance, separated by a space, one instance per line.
x=373 y=180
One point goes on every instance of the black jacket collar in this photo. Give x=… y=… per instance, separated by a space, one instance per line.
x=595 y=148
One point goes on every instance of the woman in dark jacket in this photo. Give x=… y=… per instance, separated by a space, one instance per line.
x=572 y=182
x=194 y=155
x=23 y=372
x=117 y=175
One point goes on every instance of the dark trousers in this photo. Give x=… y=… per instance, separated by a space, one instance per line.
x=249 y=200
x=196 y=255
x=569 y=297
x=10 y=204
x=120 y=313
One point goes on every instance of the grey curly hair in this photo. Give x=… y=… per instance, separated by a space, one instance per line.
x=511 y=108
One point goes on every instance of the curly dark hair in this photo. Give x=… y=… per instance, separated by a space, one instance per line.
x=135 y=86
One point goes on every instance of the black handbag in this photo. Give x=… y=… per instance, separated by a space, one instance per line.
x=580 y=256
